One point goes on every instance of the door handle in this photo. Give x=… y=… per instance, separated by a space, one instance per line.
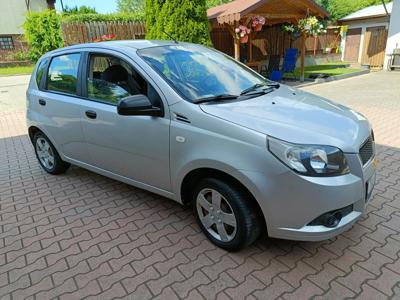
x=91 y=114
x=42 y=102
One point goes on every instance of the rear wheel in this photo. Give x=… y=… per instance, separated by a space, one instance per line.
x=48 y=156
x=225 y=214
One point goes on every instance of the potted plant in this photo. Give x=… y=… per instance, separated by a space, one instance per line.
x=257 y=22
x=242 y=33
x=331 y=46
x=105 y=38
x=293 y=30
x=311 y=26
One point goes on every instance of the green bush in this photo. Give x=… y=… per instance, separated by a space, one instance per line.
x=184 y=20
x=43 y=33
x=117 y=17
x=18 y=56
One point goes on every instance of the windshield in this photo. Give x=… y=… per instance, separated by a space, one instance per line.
x=198 y=72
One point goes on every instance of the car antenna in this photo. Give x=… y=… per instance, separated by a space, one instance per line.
x=170 y=36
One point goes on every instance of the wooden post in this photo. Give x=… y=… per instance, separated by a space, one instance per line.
x=315 y=45
x=302 y=55
x=250 y=48
x=237 y=48
x=236 y=42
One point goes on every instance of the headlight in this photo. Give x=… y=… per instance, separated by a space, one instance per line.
x=310 y=160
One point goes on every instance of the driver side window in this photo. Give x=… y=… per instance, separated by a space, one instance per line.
x=111 y=79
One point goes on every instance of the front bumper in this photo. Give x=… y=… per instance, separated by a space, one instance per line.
x=290 y=202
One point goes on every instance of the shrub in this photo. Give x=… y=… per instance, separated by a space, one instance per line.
x=43 y=33
x=117 y=17
x=184 y=20
x=18 y=56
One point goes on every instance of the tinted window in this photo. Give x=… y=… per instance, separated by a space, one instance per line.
x=63 y=74
x=112 y=79
x=40 y=70
x=200 y=72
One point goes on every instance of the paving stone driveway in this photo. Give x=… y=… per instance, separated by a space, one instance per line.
x=82 y=235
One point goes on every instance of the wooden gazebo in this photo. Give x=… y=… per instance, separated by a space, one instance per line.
x=240 y=12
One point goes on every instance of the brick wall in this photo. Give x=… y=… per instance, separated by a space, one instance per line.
x=19 y=46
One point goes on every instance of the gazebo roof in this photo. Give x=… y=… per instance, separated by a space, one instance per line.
x=276 y=11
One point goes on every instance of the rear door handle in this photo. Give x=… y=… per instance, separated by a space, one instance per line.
x=42 y=102
x=91 y=114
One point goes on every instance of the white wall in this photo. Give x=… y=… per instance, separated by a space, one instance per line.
x=394 y=31
x=363 y=24
x=12 y=14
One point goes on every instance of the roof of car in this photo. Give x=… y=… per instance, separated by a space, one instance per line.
x=135 y=44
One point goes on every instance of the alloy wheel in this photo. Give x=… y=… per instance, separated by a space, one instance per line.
x=216 y=215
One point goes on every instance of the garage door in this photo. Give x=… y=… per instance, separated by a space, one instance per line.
x=374 y=46
x=352 y=47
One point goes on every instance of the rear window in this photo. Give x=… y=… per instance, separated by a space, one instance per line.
x=40 y=70
x=63 y=74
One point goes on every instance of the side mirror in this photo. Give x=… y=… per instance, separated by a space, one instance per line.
x=137 y=105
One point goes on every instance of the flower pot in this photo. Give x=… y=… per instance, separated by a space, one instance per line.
x=258 y=27
x=244 y=39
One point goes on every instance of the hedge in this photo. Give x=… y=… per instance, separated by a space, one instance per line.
x=184 y=20
x=117 y=17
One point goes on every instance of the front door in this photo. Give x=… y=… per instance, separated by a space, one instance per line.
x=352 y=48
x=135 y=147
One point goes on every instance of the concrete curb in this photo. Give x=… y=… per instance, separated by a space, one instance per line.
x=334 y=78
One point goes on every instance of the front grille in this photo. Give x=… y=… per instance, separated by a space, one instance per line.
x=367 y=150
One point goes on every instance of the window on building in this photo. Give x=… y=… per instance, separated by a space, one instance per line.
x=6 y=43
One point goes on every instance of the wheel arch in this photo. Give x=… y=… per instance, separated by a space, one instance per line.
x=191 y=178
x=32 y=130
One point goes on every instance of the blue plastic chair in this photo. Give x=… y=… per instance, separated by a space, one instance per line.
x=276 y=75
x=289 y=61
x=289 y=65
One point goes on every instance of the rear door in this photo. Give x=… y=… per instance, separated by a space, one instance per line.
x=57 y=107
x=134 y=147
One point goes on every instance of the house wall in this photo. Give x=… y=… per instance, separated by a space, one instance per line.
x=394 y=31
x=12 y=14
x=12 y=17
x=363 y=24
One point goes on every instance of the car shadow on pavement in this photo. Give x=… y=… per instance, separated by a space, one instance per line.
x=119 y=231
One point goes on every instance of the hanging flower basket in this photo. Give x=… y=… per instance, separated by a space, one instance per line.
x=242 y=33
x=244 y=39
x=257 y=22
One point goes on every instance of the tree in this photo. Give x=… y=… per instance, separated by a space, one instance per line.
x=341 y=8
x=212 y=3
x=184 y=20
x=81 y=10
x=131 y=6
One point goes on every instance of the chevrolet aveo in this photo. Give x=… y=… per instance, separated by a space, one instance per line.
x=192 y=124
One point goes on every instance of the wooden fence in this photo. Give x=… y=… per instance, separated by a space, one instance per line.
x=273 y=40
x=85 y=32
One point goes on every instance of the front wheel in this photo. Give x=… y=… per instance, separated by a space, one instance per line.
x=225 y=214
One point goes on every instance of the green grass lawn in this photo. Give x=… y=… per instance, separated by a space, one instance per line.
x=20 y=70
x=330 y=69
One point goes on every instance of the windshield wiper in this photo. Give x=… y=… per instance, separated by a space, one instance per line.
x=216 y=98
x=257 y=86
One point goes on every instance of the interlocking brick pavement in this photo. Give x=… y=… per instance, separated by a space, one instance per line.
x=81 y=235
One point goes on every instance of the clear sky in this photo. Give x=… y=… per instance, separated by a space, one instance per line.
x=102 y=6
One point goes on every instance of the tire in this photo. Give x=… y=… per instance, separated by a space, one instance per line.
x=47 y=155
x=235 y=224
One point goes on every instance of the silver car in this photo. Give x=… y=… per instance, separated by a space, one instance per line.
x=191 y=124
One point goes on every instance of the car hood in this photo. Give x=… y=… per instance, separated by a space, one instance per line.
x=298 y=117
